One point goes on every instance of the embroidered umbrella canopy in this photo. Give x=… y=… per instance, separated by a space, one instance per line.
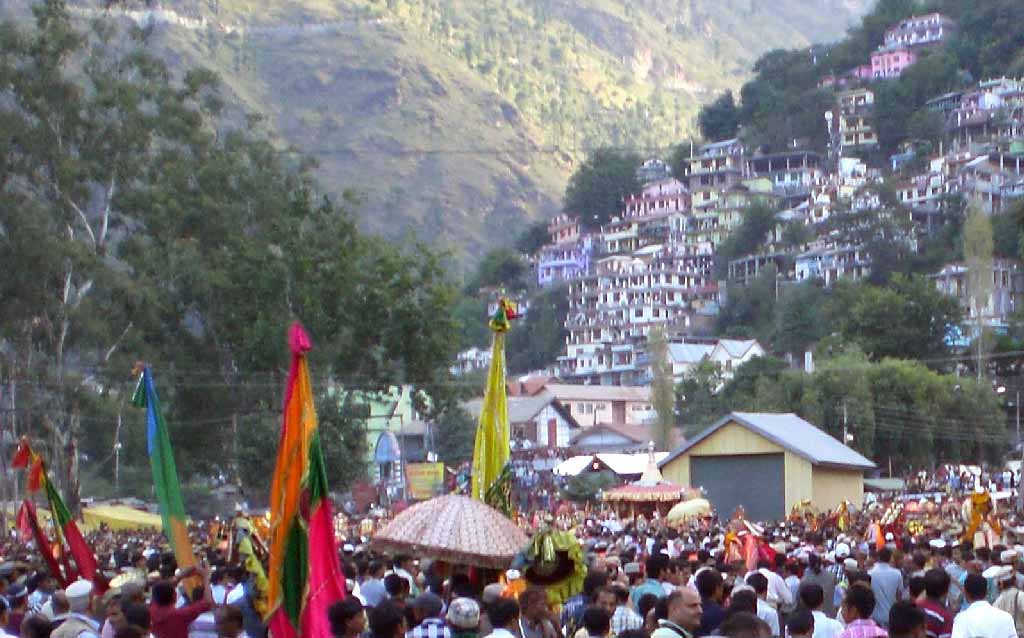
x=455 y=529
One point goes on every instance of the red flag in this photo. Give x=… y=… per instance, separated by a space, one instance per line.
x=22 y=455
x=28 y=523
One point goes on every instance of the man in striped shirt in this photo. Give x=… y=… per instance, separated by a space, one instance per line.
x=938 y=618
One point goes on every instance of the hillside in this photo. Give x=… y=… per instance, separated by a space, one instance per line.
x=455 y=121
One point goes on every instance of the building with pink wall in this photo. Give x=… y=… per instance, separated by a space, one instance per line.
x=890 y=63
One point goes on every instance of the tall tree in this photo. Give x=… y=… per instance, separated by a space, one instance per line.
x=662 y=387
x=720 y=119
x=596 y=190
x=978 y=249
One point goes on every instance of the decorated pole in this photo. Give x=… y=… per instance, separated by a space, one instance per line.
x=65 y=526
x=305 y=578
x=491 y=449
x=165 y=472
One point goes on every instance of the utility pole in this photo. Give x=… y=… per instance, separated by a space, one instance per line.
x=1020 y=470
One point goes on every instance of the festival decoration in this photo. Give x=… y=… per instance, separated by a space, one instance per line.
x=249 y=552
x=979 y=513
x=454 y=529
x=305 y=578
x=28 y=524
x=165 y=472
x=554 y=560
x=64 y=525
x=491 y=448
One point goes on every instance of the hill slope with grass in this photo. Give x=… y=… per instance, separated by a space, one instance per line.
x=456 y=122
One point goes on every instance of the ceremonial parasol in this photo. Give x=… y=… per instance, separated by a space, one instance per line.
x=688 y=509
x=455 y=529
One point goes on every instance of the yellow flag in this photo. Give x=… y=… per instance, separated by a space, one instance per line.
x=491 y=451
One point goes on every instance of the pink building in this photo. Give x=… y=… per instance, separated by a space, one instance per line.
x=890 y=63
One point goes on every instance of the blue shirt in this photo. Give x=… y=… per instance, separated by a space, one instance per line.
x=649 y=586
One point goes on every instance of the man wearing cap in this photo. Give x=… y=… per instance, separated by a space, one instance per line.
x=463 y=617
x=426 y=609
x=1010 y=597
x=78 y=623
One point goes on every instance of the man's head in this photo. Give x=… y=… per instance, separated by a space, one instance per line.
x=885 y=555
x=759 y=582
x=427 y=605
x=387 y=621
x=376 y=569
x=594 y=580
x=597 y=621
x=408 y=563
x=684 y=608
x=975 y=587
x=606 y=600
x=936 y=584
x=79 y=594
x=59 y=603
x=136 y=614
x=916 y=587
x=533 y=603
x=812 y=596
x=229 y=622
x=906 y=620
x=657 y=566
x=709 y=584
x=742 y=624
x=504 y=613
x=858 y=604
x=800 y=623
x=742 y=600
x=397 y=588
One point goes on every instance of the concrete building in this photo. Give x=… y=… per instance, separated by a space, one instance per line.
x=767 y=463
x=920 y=31
x=1006 y=296
x=568 y=253
x=854 y=111
x=726 y=354
x=592 y=405
x=832 y=264
x=995 y=180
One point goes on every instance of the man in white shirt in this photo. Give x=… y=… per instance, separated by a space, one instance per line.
x=778 y=592
x=980 y=619
x=812 y=596
x=765 y=612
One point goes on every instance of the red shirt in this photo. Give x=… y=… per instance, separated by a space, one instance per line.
x=173 y=622
x=938 y=619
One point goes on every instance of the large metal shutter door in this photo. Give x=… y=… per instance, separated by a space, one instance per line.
x=752 y=480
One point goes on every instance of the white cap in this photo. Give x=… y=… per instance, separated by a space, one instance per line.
x=937 y=543
x=888 y=536
x=348 y=547
x=842 y=550
x=513 y=574
x=1008 y=556
x=998 y=572
x=850 y=564
x=78 y=595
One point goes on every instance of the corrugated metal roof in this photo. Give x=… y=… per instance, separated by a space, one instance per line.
x=788 y=431
x=520 y=409
x=621 y=464
x=737 y=347
x=689 y=352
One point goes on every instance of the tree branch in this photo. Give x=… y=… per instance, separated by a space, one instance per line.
x=117 y=342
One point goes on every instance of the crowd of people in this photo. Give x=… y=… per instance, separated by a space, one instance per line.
x=812 y=578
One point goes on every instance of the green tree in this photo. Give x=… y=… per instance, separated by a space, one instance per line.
x=662 y=391
x=748 y=237
x=696 y=403
x=978 y=249
x=720 y=119
x=538 y=340
x=909 y=319
x=454 y=435
x=502 y=268
x=533 y=238
x=596 y=190
x=799 y=318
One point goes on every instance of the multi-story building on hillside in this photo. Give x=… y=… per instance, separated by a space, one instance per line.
x=994 y=179
x=568 y=253
x=991 y=112
x=854 y=110
x=832 y=264
x=1005 y=298
x=613 y=310
x=920 y=31
x=891 y=63
x=792 y=174
x=713 y=169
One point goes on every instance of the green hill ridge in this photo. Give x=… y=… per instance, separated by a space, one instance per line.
x=457 y=122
